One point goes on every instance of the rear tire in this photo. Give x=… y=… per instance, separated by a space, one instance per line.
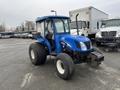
x=37 y=54
x=64 y=66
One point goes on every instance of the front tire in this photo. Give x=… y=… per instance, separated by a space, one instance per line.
x=64 y=66
x=37 y=54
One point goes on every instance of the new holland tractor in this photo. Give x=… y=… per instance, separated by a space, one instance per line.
x=54 y=39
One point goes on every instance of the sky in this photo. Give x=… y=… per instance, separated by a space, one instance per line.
x=14 y=12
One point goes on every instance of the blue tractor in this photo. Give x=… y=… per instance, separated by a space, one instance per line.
x=54 y=38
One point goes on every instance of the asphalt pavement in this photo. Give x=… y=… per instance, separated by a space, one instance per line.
x=17 y=72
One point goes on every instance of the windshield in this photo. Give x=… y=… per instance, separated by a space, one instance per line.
x=62 y=25
x=111 y=23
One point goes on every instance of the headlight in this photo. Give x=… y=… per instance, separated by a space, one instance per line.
x=83 y=46
x=98 y=35
x=118 y=35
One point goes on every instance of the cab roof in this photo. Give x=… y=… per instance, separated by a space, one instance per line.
x=40 y=19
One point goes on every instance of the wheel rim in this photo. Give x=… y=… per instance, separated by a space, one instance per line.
x=32 y=54
x=60 y=67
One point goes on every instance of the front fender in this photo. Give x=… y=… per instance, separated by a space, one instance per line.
x=45 y=43
x=67 y=45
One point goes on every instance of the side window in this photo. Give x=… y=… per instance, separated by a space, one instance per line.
x=48 y=27
x=88 y=24
x=83 y=24
x=97 y=25
x=66 y=26
x=40 y=28
x=59 y=26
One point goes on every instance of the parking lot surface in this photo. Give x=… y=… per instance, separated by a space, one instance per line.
x=17 y=72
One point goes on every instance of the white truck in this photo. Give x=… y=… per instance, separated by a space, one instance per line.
x=109 y=33
x=86 y=21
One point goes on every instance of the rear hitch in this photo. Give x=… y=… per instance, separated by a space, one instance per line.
x=95 y=58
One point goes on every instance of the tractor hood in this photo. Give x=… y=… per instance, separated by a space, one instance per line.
x=70 y=38
x=73 y=40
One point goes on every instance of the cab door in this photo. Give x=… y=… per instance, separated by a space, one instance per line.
x=49 y=33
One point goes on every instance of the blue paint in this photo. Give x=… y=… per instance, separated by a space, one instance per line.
x=40 y=19
x=44 y=42
x=70 y=41
x=62 y=37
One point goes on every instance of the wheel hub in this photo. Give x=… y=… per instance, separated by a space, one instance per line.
x=32 y=54
x=60 y=67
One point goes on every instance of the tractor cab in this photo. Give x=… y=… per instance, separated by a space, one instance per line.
x=55 y=30
x=51 y=28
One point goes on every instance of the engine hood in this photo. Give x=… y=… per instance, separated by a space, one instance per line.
x=71 y=40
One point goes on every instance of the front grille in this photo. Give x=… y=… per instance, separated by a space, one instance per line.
x=109 y=40
x=109 y=34
x=88 y=45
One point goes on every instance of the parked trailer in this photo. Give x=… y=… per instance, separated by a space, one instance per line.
x=27 y=34
x=88 y=21
x=6 y=34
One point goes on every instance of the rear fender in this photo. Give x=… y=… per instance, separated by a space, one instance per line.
x=45 y=43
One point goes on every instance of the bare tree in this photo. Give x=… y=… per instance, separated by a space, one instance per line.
x=2 y=27
x=29 y=25
x=23 y=27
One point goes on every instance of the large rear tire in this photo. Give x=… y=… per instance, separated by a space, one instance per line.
x=37 y=54
x=64 y=66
